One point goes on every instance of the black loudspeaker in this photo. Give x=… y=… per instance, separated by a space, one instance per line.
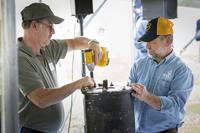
x=159 y=8
x=81 y=7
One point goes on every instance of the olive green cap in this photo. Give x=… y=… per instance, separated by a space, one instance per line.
x=39 y=11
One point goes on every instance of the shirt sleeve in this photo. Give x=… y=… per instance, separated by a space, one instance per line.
x=58 y=49
x=132 y=77
x=181 y=87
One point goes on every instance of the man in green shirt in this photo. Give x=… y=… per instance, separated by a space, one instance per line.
x=40 y=98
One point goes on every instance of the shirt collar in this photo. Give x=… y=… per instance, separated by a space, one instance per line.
x=24 y=48
x=167 y=58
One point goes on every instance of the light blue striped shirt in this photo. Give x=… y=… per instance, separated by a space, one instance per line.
x=172 y=81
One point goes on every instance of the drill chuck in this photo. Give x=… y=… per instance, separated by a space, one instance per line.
x=90 y=67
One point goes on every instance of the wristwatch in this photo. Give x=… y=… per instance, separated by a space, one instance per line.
x=93 y=40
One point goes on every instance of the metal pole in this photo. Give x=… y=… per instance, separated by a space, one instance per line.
x=81 y=18
x=82 y=51
x=132 y=33
x=9 y=111
x=92 y=17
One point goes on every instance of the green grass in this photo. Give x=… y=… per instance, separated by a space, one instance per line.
x=197 y=130
x=190 y=129
x=194 y=108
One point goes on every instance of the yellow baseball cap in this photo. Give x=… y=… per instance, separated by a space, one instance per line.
x=156 y=27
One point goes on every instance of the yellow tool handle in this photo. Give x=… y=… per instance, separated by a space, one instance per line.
x=104 y=60
x=89 y=56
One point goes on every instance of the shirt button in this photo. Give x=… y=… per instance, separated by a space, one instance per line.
x=150 y=90
x=153 y=78
x=157 y=67
x=142 y=125
x=142 y=113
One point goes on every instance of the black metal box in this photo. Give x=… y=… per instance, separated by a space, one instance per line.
x=159 y=8
x=81 y=7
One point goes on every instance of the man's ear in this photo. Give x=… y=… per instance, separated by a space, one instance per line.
x=33 y=24
x=168 y=41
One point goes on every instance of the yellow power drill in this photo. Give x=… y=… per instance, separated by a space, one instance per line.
x=89 y=59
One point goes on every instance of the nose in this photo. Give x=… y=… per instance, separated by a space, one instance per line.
x=147 y=45
x=53 y=31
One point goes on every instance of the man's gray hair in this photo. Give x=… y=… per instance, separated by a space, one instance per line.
x=162 y=37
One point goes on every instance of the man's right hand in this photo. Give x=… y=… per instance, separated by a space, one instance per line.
x=87 y=82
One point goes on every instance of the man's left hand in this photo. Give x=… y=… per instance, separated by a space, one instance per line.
x=142 y=93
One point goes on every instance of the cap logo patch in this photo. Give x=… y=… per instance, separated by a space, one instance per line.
x=148 y=26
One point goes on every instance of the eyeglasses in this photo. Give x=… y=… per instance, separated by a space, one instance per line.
x=50 y=27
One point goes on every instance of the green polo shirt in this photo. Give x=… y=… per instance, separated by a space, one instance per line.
x=39 y=71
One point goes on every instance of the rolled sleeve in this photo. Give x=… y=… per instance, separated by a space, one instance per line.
x=181 y=85
x=132 y=78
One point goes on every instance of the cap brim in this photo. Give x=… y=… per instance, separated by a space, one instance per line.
x=147 y=37
x=54 y=19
